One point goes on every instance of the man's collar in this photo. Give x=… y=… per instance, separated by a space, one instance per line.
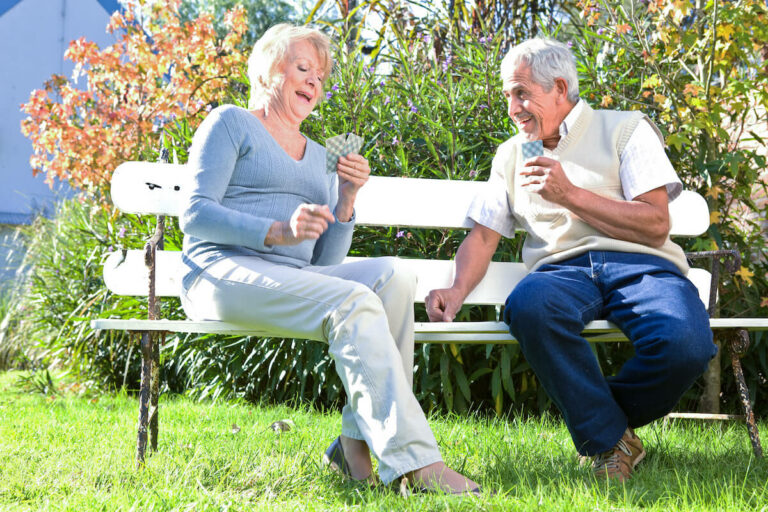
x=571 y=118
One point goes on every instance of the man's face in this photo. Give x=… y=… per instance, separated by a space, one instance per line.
x=534 y=110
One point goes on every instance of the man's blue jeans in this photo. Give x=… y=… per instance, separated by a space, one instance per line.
x=648 y=298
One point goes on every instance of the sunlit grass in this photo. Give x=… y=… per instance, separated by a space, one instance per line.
x=77 y=453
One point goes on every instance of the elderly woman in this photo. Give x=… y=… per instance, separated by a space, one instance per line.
x=266 y=229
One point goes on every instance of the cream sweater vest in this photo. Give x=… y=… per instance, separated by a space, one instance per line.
x=589 y=155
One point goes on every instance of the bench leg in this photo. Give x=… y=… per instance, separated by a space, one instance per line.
x=146 y=370
x=739 y=341
x=154 y=393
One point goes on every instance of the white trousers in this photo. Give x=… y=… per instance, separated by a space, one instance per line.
x=364 y=311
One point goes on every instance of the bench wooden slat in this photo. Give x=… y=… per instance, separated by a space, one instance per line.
x=599 y=331
x=159 y=189
x=127 y=275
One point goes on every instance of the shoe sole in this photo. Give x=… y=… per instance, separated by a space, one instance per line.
x=638 y=460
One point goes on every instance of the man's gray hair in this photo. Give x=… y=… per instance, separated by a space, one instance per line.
x=548 y=60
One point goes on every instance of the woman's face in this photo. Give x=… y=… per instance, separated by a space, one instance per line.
x=302 y=81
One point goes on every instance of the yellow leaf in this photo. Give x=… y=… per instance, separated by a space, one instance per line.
x=714 y=192
x=456 y=353
x=714 y=217
x=764 y=303
x=659 y=98
x=607 y=101
x=623 y=28
x=651 y=82
x=681 y=7
x=725 y=31
x=746 y=275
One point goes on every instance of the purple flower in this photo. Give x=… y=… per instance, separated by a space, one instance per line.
x=472 y=173
x=412 y=106
x=400 y=234
x=570 y=44
x=110 y=248
x=394 y=139
x=386 y=100
x=382 y=84
x=483 y=106
x=600 y=31
x=447 y=62
x=121 y=233
x=208 y=107
x=328 y=95
x=335 y=87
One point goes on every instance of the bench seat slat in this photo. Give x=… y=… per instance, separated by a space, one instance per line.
x=127 y=275
x=426 y=332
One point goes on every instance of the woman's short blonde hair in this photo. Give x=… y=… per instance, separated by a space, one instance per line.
x=269 y=53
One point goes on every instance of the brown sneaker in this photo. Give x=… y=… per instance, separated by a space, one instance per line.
x=620 y=461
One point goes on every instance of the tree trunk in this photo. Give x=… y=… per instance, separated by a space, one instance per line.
x=710 y=398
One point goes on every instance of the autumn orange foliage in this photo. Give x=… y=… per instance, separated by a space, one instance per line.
x=159 y=70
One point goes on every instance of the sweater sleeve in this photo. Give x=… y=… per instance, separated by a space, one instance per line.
x=333 y=245
x=212 y=160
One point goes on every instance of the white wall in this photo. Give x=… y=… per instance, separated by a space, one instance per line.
x=33 y=37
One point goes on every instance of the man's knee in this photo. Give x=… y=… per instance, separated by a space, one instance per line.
x=687 y=347
x=529 y=303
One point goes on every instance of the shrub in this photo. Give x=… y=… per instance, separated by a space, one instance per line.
x=429 y=106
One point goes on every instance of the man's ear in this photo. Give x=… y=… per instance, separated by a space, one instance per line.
x=562 y=88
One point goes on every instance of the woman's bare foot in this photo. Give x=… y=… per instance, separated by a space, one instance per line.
x=440 y=477
x=358 y=459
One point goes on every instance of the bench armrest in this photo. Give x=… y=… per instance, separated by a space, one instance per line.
x=732 y=260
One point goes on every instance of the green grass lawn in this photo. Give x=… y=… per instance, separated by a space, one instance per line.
x=77 y=453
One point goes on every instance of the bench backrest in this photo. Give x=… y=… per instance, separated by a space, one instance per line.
x=158 y=189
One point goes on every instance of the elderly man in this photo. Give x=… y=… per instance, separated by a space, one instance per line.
x=594 y=204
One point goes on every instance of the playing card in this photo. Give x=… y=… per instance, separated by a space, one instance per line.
x=532 y=149
x=333 y=148
x=343 y=144
x=354 y=143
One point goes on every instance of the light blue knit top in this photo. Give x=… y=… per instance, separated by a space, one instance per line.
x=242 y=182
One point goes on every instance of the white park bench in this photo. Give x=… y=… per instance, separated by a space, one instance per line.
x=158 y=188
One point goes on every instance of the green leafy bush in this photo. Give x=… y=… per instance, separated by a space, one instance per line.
x=697 y=72
x=428 y=105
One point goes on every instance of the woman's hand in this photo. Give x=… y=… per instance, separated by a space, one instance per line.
x=308 y=222
x=353 y=171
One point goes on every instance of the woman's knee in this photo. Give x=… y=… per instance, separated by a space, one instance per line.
x=395 y=275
